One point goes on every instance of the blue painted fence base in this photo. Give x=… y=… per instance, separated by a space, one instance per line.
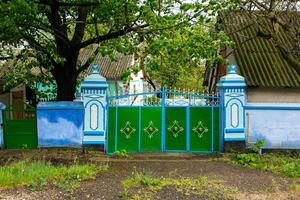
x=2 y=107
x=60 y=124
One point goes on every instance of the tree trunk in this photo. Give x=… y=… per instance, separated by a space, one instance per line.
x=65 y=90
x=66 y=81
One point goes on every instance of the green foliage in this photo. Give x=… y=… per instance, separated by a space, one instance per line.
x=280 y=164
x=245 y=159
x=258 y=145
x=169 y=37
x=121 y=154
x=176 y=57
x=37 y=174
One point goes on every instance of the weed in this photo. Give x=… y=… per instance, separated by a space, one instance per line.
x=258 y=146
x=121 y=154
x=275 y=185
x=293 y=186
x=146 y=186
x=124 y=193
x=276 y=163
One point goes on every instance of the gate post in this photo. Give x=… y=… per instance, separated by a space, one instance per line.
x=93 y=89
x=232 y=88
x=2 y=107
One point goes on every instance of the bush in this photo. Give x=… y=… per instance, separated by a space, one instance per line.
x=280 y=164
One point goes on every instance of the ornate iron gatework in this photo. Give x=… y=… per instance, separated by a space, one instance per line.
x=163 y=120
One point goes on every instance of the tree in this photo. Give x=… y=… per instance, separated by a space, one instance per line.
x=283 y=18
x=176 y=57
x=49 y=34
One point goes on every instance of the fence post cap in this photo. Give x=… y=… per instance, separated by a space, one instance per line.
x=232 y=79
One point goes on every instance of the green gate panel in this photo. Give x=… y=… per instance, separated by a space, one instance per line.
x=128 y=129
x=110 y=148
x=175 y=128
x=204 y=129
x=151 y=118
x=216 y=129
x=20 y=131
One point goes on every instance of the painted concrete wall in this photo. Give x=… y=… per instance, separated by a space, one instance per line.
x=2 y=107
x=60 y=124
x=278 y=124
x=273 y=95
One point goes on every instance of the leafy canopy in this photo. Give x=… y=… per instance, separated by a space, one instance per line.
x=47 y=36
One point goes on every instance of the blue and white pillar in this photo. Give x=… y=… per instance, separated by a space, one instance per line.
x=232 y=88
x=93 y=90
x=2 y=107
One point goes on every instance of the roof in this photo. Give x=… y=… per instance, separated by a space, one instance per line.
x=111 y=70
x=259 y=61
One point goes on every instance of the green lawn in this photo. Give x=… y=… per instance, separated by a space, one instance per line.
x=38 y=173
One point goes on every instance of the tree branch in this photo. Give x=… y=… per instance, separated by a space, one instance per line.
x=79 y=29
x=110 y=35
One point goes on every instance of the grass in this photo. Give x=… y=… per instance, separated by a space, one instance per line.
x=143 y=185
x=284 y=165
x=37 y=174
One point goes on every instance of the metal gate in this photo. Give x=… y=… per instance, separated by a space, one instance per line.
x=163 y=121
x=20 y=128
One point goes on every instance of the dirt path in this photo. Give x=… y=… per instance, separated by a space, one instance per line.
x=250 y=184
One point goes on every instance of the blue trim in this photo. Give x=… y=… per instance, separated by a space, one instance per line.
x=106 y=130
x=271 y=107
x=163 y=119
x=188 y=129
x=97 y=88
x=89 y=133
x=116 y=130
x=93 y=142
x=234 y=130
x=60 y=105
x=140 y=127
x=234 y=139
x=212 y=130
x=133 y=106
x=183 y=151
x=94 y=82
x=221 y=125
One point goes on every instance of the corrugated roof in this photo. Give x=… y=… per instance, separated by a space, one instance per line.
x=111 y=70
x=258 y=59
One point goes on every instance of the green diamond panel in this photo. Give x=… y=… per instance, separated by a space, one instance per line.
x=111 y=130
x=151 y=129
x=216 y=129
x=128 y=133
x=175 y=129
x=201 y=129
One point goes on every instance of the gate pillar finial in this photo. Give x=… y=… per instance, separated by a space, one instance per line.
x=93 y=90
x=232 y=88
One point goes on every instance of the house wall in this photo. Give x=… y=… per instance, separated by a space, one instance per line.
x=273 y=95
x=273 y=114
x=276 y=123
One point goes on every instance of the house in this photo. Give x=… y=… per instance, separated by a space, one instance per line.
x=268 y=75
x=111 y=70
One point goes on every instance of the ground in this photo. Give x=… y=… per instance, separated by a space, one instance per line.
x=163 y=176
